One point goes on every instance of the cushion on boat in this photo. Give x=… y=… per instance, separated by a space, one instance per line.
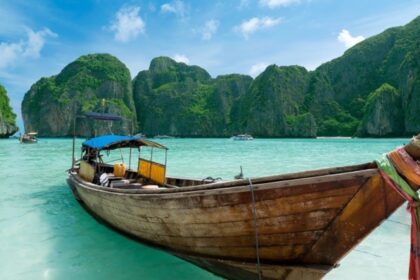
x=125 y=183
x=86 y=171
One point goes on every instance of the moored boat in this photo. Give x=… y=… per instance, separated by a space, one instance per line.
x=290 y=226
x=163 y=137
x=140 y=135
x=29 y=138
x=306 y=221
x=242 y=137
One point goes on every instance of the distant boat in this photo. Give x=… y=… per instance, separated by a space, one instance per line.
x=334 y=137
x=242 y=137
x=163 y=137
x=140 y=135
x=29 y=138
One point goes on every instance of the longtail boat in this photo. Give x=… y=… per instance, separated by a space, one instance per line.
x=242 y=137
x=290 y=226
x=29 y=138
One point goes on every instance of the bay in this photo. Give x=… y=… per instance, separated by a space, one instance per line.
x=46 y=234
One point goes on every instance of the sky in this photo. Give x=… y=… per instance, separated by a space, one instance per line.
x=38 y=38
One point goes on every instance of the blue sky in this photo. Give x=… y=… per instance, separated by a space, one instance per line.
x=39 y=37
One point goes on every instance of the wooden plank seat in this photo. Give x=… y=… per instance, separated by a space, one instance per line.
x=125 y=183
x=114 y=178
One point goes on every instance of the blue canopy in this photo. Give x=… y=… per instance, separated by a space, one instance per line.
x=110 y=142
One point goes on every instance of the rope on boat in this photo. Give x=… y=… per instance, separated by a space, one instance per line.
x=254 y=214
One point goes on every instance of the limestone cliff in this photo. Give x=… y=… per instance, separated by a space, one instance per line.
x=392 y=57
x=345 y=96
x=272 y=105
x=181 y=100
x=7 y=117
x=384 y=114
x=51 y=104
x=224 y=103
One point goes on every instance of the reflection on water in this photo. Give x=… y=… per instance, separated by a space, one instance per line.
x=45 y=234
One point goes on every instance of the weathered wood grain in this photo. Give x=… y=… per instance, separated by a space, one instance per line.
x=370 y=206
x=304 y=219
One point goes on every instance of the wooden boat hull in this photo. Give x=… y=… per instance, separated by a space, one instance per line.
x=236 y=270
x=306 y=222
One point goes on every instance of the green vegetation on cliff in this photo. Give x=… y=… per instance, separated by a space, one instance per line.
x=51 y=104
x=345 y=96
x=7 y=117
x=177 y=99
x=391 y=57
x=383 y=113
x=5 y=110
x=373 y=89
x=271 y=106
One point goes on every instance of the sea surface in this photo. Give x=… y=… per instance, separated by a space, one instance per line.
x=46 y=234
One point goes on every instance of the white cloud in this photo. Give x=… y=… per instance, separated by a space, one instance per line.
x=181 y=58
x=256 y=69
x=127 y=24
x=347 y=39
x=209 y=29
x=278 y=3
x=10 y=52
x=243 y=4
x=176 y=7
x=36 y=41
x=254 y=24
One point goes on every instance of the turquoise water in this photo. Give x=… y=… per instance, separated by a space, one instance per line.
x=45 y=234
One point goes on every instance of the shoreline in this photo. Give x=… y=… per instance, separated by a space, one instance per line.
x=228 y=137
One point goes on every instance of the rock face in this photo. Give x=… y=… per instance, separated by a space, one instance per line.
x=272 y=105
x=7 y=117
x=383 y=113
x=177 y=99
x=409 y=85
x=336 y=99
x=98 y=82
x=224 y=103
x=391 y=57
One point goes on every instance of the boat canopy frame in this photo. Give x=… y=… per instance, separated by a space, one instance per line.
x=92 y=116
x=112 y=142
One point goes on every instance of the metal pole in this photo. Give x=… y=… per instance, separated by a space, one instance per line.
x=129 y=161
x=166 y=161
x=74 y=140
x=122 y=158
x=139 y=160
x=150 y=166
